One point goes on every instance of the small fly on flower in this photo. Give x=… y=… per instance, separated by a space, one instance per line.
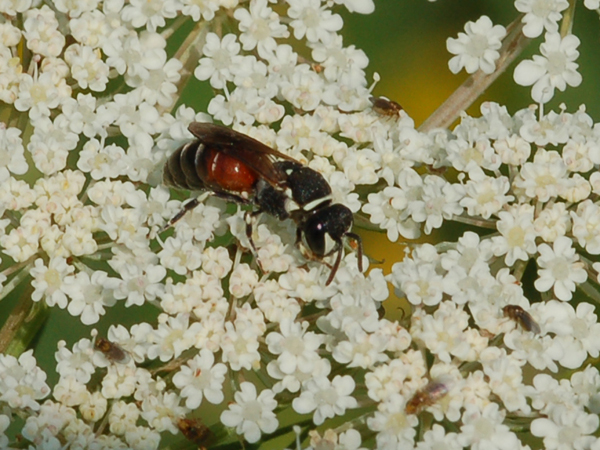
x=195 y=431
x=385 y=106
x=113 y=352
x=430 y=394
x=241 y=169
x=522 y=317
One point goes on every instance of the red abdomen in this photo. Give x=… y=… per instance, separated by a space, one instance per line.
x=229 y=173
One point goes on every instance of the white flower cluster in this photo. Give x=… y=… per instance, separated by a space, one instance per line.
x=90 y=91
x=477 y=48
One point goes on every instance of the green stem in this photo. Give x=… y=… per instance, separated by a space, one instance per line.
x=566 y=25
x=23 y=324
x=481 y=223
x=16 y=280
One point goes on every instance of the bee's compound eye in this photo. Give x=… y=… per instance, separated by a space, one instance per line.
x=315 y=236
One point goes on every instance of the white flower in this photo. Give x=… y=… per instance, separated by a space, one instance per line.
x=173 y=336
x=201 y=378
x=326 y=398
x=552 y=128
x=195 y=9
x=219 y=61
x=242 y=280
x=341 y=63
x=87 y=67
x=74 y=8
x=478 y=48
x=4 y=423
x=151 y=13
x=577 y=331
x=20 y=243
x=553 y=221
x=387 y=209
x=160 y=86
x=40 y=95
x=466 y=153
x=41 y=32
x=554 y=70
x=12 y=7
x=566 y=428
x=240 y=346
x=136 y=54
x=140 y=284
x=358 y=6
x=22 y=382
x=12 y=158
x=142 y=437
x=91 y=28
x=180 y=255
x=544 y=178
x=485 y=195
x=446 y=333
x=260 y=26
x=586 y=226
x=349 y=310
x=241 y=106
x=90 y=295
x=312 y=20
x=84 y=117
x=559 y=269
x=122 y=416
x=513 y=150
x=304 y=89
x=361 y=349
x=395 y=428
x=160 y=409
x=296 y=349
x=50 y=143
x=102 y=162
x=439 y=200
x=506 y=379
x=49 y=282
x=517 y=240
x=418 y=280
x=77 y=363
x=540 y=15
x=483 y=429
x=251 y=415
x=438 y=438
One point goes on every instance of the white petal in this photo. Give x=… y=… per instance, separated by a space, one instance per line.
x=528 y=72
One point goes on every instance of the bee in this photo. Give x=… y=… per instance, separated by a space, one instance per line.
x=195 y=431
x=385 y=107
x=113 y=352
x=241 y=169
x=522 y=317
x=430 y=394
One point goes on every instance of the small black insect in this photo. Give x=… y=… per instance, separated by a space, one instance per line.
x=385 y=107
x=239 y=168
x=195 y=431
x=113 y=352
x=522 y=317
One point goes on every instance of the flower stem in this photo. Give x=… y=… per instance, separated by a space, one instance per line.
x=476 y=84
x=23 y=324
x=482 y=223
x=566 y=26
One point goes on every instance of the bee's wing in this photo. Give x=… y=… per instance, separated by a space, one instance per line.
x=249 y=151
